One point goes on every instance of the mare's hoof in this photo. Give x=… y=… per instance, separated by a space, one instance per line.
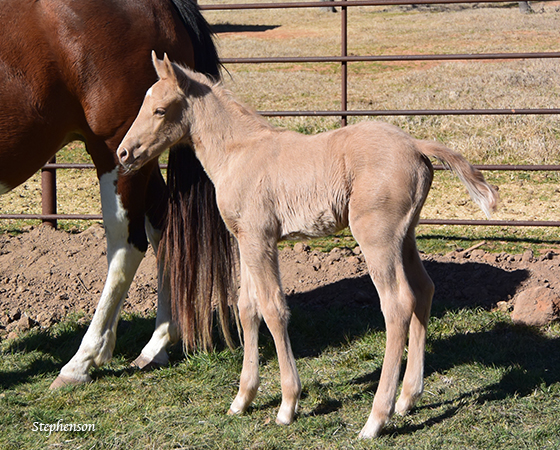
x=62 y=381
x=145 y=363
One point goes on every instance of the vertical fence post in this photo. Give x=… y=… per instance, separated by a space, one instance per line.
x=48 y=193
x=344 y=64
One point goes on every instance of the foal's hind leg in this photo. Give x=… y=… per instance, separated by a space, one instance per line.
x=382 y=248
x=423 y=288
x=260 y=258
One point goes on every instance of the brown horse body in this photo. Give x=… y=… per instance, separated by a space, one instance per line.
x=79 y=70
x=273 y=184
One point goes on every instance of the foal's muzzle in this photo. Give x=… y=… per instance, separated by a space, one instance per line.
x=123 y=155
x=126 y=158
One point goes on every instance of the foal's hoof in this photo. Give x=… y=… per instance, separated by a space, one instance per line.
x=145 y=363
x=285 y=418
x=370 y=431
x=404 y=406
x=62 y=381
x=232 y=412
x=407 y=400
x=283 y=422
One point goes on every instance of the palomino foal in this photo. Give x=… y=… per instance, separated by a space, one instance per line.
x=273 y=184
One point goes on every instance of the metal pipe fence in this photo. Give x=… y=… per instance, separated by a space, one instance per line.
x=49 y=210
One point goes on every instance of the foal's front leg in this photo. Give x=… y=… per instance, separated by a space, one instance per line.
x=260 y=258
x=250 y=321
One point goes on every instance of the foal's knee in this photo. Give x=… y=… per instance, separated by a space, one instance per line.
x=424 y=294
x=274 y=309
x=399 y=309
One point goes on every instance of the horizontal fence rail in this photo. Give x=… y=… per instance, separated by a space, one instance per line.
x=413 y=112
x=375 y=58
x=338 y=3
x=49 y=170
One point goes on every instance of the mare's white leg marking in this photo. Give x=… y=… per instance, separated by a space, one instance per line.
x=4 y=189
x=166 y=333
x=123 y=260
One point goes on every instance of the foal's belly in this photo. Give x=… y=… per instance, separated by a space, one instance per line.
x=315 y=224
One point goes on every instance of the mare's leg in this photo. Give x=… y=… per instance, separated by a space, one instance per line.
x=423 y=287
x=123 y=217
x=154 y=354
x=261 y=260
x=378 y=237
x=250 y=321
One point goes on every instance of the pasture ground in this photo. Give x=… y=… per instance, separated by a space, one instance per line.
x=489 y=382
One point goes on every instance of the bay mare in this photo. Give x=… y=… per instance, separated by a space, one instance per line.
x=273 y=184
x=79 y=70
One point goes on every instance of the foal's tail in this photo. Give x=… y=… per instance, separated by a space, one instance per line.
x=481 y=192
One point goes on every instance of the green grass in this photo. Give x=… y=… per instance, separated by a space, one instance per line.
x=442 y=239
x=489 y=384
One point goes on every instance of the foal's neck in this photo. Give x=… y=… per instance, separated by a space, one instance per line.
x=219 y=125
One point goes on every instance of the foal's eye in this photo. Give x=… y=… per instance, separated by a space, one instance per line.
x=160 y=112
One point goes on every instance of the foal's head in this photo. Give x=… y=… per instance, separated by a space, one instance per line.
x=160 y=123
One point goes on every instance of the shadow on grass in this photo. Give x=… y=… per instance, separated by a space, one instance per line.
x=344 y=311
x=531 y=360
x=508 y=238
x=51 y=349
x=340 y=312
x=431 y=241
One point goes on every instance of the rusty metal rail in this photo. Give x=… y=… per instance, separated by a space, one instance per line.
x=49 y=171
x=337 y=3
x=374 y=58
x=414 y=112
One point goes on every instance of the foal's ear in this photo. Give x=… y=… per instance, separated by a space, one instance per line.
x=164 y=68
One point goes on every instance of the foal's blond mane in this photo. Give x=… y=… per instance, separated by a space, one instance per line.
x=203 y=86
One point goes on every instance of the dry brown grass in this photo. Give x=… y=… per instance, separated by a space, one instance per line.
x=395 y=85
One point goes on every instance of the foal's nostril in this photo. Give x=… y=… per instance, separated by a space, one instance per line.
x=123 y=154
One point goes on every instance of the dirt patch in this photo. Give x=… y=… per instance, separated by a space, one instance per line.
x=46 y=274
